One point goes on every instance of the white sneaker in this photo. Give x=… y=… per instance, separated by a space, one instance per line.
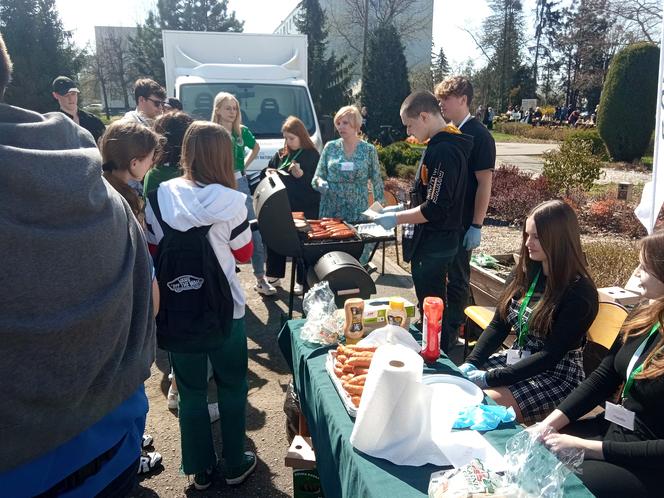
x=172 y=399
x=263 y=287
x=298 y=289
x=275 y=282
x=213 y=410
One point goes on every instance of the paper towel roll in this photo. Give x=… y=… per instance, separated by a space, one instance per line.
x=389 y=420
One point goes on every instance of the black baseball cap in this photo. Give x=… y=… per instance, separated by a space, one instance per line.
x=64 y=85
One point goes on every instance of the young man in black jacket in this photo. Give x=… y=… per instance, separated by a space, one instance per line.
x=434 y=222
x=66 y=93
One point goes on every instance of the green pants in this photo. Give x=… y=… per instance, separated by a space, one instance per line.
x=229 y=364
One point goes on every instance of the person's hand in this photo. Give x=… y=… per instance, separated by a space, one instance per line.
x=388 y=220
x=478 y=377
x=322 y=186
x=295 y=170
x=392 y=209
x=557 y=442
x=467 y=367
x=472 y=238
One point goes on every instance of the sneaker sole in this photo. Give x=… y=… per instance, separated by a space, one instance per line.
x=264 y=292
x=201 y=487
x=239 y=480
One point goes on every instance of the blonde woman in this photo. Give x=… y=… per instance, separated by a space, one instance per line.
x=226 y=112
x=344 y=169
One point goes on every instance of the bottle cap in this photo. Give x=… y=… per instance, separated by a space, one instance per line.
x=396 y=304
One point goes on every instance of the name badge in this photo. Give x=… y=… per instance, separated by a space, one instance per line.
x=620 y=415
x=347 y=166
x=516 y=355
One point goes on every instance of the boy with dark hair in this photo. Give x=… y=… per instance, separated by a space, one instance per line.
x=433 y=223
x=455 y=95
x=65 y=91
x=150 y=99
x=72 y=426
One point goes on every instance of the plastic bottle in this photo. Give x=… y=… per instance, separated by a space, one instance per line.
x=396 y=314
x=353 y=328
x=432 y=322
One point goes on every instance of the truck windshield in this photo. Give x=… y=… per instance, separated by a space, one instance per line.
x=264 y=107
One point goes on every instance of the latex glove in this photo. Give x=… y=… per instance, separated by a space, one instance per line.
x=478 y=377
x=466 y=368
x=388 y=220
x=472 y=238
x=322 y=186
x=392 y=209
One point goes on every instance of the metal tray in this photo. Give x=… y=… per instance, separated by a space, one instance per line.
x=336 y=381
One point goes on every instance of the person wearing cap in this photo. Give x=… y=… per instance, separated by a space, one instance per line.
x=150 y=99
x=66 y=93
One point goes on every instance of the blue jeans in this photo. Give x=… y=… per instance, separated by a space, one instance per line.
x=258 y=258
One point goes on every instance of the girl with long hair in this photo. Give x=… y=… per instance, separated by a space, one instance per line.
x=128 y=151
x=550 y=303
x=624 y=446
x=205 y=195
x=296 y=164
x=226 y=112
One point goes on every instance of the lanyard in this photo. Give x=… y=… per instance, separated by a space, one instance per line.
x=464 y=121
x=289 y=160
x=523 y=327
x=631 y=371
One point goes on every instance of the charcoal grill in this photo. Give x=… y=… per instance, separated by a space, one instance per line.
x=278 y=230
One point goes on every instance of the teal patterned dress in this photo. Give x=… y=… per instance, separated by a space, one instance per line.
x=347 y=176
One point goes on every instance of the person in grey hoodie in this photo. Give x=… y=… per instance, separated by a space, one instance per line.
x=205 y=195
x=77 y=336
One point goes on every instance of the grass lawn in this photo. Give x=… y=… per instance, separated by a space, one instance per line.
x=505 y=137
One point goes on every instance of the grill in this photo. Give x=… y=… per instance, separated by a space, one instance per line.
x=278 y=230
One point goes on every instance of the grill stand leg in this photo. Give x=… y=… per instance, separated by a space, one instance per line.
x=291 y=295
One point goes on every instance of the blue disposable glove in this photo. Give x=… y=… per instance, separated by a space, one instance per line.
x=472 y=238
x=392 y=209
x=322 y=186
x=388 y=220
x=478 y=377
x=467 y=367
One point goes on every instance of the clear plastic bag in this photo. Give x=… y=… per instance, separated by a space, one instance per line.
x=533 y=469
x=323 y=325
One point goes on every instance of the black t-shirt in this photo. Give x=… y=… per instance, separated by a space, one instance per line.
x=482 y=157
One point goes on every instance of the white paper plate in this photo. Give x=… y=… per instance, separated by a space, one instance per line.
x=462 y=391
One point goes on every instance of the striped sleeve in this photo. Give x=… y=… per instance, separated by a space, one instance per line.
x=240 y=241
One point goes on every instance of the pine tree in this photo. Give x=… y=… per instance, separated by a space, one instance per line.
x=440 y=67
x=385 y=82
x=328 y=76
x=40 y=49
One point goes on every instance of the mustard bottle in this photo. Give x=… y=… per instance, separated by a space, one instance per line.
x=353 y=328
x=396 y=314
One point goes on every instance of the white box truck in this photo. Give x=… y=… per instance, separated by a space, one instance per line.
x=266 y=72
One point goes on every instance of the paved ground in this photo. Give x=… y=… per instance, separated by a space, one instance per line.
x=268 y=380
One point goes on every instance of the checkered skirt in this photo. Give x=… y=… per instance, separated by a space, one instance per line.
x=539 y=395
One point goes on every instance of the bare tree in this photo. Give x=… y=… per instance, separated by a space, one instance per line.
x=113 y=65
x=642 y=18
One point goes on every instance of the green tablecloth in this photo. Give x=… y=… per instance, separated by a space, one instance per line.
x=344 y=471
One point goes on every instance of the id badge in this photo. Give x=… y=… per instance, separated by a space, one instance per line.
x=347 y=166
x=516 y=355
x=620 y=415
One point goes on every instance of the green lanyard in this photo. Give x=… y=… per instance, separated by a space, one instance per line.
x=633 y=372
x=523 y=327
x=289 y=160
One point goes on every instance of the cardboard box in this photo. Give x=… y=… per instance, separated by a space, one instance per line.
x=302 y=459
x=618 y=295
x=375 y=312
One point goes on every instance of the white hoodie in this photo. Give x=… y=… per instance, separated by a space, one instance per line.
x=185 y=205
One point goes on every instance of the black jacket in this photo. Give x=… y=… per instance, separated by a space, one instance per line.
x=90 y=122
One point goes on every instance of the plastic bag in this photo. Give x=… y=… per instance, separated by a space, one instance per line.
x=484 y=417
x=468 y=481
x=536 y=471
x=484 y=260
x=323 y=325
x=292 y=411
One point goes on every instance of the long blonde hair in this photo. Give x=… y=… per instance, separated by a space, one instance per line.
x=207 y=154
x=237 y=124
x=558 y=233
x=652 y=261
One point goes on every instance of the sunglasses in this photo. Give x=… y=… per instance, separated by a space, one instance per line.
x=158 y=103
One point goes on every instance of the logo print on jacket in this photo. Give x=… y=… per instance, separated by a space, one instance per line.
x=185 y=283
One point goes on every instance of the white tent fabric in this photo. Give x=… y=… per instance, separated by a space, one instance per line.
x=653 y=191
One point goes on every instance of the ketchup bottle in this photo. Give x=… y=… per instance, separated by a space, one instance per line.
x=432 y=322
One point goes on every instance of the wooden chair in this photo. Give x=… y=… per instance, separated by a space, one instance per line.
x=476 y=317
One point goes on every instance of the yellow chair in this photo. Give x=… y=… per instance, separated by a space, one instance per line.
x=479 y=316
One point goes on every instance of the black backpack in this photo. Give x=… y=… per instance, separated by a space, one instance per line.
x=195 y=299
